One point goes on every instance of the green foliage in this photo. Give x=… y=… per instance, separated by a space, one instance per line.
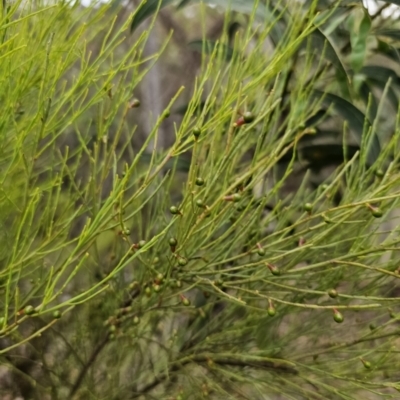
x=245 y=276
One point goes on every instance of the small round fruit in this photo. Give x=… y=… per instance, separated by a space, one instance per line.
x=141 y=244
x=156 y=288
x=56 y=314
x=248 y=117
x=185 y=301
x=261 y=252
x=29 y=310
x=166 y=113
x=379 y=173
x=367 y=364
x=196 y=132
x=271 y=311
x=199 y=181
x=338 y=317
x=308 y=207
x=182 y=261
x=135 y=103
x=174 y=210
x=236 y=197
x=148 y=291
x=377 y=212
x=200 y=203
x=136 y=320
x=333 y=293
x=172 y=242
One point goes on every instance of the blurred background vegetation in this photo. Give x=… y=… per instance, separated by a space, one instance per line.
x=199 y=199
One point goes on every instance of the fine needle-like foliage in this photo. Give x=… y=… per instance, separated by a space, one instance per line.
x=123 y=277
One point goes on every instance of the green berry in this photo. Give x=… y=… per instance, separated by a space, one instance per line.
x=156 y=288
x=56 y=314
x=172 y=242
x=174 y=210
x=332 y=293
x=29 y=310
x=185 y=301
x=236 y=197
x=166 y=113
x=338 y=317
x=367 y=364
x=178 y=284
x=248 y=117
x=271 y=311
x=141 y=244
x=200 y=203
x=261 y=252
x=148 y=291
x=196 y=132
x=376 y=212
x=324 y=186
x=379 y=173
x=308 y=207
x=135 y=103
x=182 y=261
x=199 y=181
x=136 y=320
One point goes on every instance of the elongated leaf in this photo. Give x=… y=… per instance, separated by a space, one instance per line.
x=359 y=43
x=209 y=46
x=146 y=10
x=355 y=119
x=379 y=76
x=320 y=43
x=390 y=33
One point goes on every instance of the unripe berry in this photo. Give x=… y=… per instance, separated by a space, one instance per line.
x=141 y=244
x=337 y=316
x=199 y=181
x=196 y=132
x=200 y=203
x=308 y=207
x=332 y=293
x=248 y=117
x=185 y=301
x=29 y=310
x=271 y=311
x=172 y=242
x=56 y=314
x=174 y=210
x=136 y=320
x=182 y=261
x=261 y=252
x=135 y=103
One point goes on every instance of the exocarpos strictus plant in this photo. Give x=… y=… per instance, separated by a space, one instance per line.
x=123 y=278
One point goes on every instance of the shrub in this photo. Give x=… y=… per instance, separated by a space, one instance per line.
x=121 y=279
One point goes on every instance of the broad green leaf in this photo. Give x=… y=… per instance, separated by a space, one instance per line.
x=208 y=46
x=320 y=43
x=355 y=119
x=390 y=33
x=359 y=42
x=147 y=9
x=378 y=76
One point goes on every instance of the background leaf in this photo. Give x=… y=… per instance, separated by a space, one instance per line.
x=148 y=9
